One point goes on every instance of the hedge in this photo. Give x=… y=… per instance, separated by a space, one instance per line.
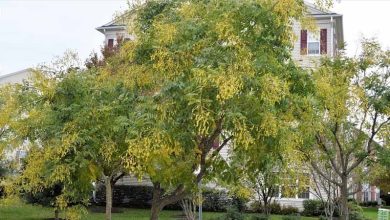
x=141 y=197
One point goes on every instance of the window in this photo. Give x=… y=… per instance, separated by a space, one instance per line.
x=365 y=199
x=304 y=194
x=110 y=43
x=313 y=43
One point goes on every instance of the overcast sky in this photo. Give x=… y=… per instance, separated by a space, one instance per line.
x=35 y=31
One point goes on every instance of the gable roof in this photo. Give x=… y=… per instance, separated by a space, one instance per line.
x=119 y=23
x=315 y=11
x=15 y=77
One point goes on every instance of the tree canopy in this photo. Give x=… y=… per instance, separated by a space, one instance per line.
x=208 y=74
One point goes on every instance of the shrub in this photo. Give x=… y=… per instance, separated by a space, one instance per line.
x=322 y=217
x=313 y=207
x=128 y=196
x=369 y=204
x=353 y=207
x=240 y=203
x=288 y=210
x=355 y=212
x=353 y=215
x=255 y=206
x=260 y=217
x=141 y=197
x=291 y=217
x=216 y=200
x=275 y=208
x=352 y=200
x=385 y=199
x=46 y=197
x=232 y=214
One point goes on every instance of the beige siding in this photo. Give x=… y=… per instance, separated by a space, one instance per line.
x=297 y=203
x=133 y=181
x=115 y=34
x=310 y=61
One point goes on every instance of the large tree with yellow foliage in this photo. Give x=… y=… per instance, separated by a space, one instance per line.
x=212 y=74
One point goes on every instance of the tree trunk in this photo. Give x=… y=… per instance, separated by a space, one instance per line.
x=159 y=201
x=344 y=212
x=108 y=184
x=155 y=211
x=56 y=214
x=266 y=205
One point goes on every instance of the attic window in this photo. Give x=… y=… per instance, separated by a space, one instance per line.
x=314 y=43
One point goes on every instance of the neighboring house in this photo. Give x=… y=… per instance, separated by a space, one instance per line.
x=114 y=30
x=329 y=38
x=16 y=77
x=13 y=78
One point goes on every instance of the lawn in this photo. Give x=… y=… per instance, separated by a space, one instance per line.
x=30 y=212
x=371 y=213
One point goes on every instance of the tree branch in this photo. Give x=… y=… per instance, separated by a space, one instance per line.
x=369 y=144
x=330 y=157
x=318 y=170
x=341 y=152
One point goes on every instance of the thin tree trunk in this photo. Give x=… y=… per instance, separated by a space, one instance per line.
x=266 y=205
x=56 y=214
x=108 y=184
x=344 y=212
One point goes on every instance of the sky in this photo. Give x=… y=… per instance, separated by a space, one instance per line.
x=33 y=32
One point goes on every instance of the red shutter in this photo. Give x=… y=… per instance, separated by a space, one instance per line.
x=324 y=41
x=110 y=43
x=303 y=42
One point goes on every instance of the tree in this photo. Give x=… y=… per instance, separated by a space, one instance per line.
x=264 y=182
x=78 y=123
x=213 y=73
x=8 y=105
x=351 y=111
x=326 y=191
x=380 y=171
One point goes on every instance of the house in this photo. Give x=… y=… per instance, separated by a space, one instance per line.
x=308 y=48
x=12 y=78
x=16 y=77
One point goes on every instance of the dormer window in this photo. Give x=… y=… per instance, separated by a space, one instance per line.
x=314 y=43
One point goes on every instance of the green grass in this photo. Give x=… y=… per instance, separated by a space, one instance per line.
x=371 y=213
x=33 y=212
